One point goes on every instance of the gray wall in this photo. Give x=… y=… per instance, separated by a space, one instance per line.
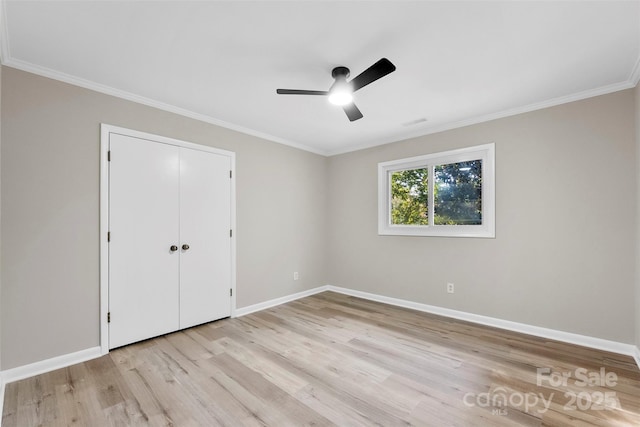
x=50 y=205
x=637 y=122
x=563 y=258
x=564 y=252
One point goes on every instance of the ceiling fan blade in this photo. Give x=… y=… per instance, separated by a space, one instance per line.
x=301 y=92
x=373 y=73
x=352 y=112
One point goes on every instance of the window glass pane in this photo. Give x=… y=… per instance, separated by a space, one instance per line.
x=410 y=197
x=458 y=193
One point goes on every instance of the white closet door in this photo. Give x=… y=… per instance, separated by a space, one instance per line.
x=144 y=223
x=205 y=221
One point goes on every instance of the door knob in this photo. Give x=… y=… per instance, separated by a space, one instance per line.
x=185 y=247
x=173 y=248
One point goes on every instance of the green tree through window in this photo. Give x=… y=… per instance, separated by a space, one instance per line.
x=457 y=195
x=410 y=197
x=445 y=194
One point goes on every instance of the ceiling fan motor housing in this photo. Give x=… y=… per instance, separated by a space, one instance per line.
x=340 y=72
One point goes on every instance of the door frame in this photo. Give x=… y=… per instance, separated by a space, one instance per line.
x=105 y=131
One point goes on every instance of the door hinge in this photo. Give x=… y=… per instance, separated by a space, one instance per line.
x=109 y=317
x=108 y=236
x=230 y=174
x=230 y=292
x=230 y=233
x=109 y=156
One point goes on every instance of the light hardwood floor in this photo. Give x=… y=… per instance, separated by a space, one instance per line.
x=331 y=359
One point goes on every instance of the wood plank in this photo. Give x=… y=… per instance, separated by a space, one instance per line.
x=329 y=359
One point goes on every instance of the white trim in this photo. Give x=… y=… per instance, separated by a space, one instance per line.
x=567 y=337
x=4 y=53
x=48 y=365
x=105 y=131
x=162 y=139
x=234 y=236
x=44 y=366
x=636 y=355
x=8 y=61
x=129 y=96
x=603 y=90
x=104 y=245
x=278 y=301
x=485 y=152
x=2 y=385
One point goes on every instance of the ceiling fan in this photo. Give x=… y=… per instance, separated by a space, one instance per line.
x=341 y=91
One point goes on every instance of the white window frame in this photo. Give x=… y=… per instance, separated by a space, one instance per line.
x=485 y=152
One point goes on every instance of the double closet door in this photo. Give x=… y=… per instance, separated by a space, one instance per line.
x=170 y=246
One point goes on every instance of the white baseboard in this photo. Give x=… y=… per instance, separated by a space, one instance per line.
x=636 y=355
x=277 y=301
x=54 y=363
x=568 y=337
x=26 y=371
x=48 y=365
x=32 y=369
x=1 y=398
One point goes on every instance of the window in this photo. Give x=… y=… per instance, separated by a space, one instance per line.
x=442 y=194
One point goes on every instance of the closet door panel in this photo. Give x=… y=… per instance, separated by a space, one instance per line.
x=144 y=224
x=205 y=221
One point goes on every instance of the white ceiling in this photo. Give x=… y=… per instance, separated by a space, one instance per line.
x=221 y=61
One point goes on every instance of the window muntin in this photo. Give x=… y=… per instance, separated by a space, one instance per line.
x=441 y=194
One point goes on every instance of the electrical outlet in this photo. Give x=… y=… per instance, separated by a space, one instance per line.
x=450 y=288
x=296 y=276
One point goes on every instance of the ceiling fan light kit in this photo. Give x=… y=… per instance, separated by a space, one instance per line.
x=341 y=92
x=340 y=97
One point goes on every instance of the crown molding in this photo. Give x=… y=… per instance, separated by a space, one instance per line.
x=603 y=90
x=108 y=90
x=87 y=84
x=7 y=60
